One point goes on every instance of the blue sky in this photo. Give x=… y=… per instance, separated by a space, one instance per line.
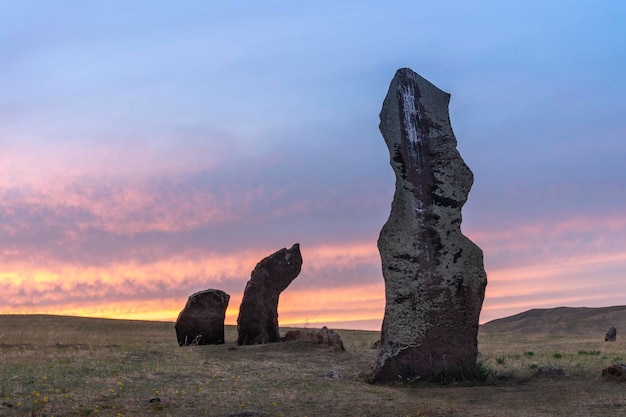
x=188 y=140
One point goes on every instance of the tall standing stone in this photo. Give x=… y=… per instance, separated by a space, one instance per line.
x=434 y=276
x=258 y=315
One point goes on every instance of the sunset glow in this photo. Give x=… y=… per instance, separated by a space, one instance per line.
x=150 y=152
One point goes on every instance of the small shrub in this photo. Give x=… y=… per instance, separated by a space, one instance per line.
x=533 y=366
x=481 y=374
x=529 y=353
x=500 y=360
x=557 y=355
x=618 y=359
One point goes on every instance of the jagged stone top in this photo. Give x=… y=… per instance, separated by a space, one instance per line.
x=416 y=110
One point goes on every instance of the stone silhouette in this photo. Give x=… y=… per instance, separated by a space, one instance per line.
x=611 y=335
x=201 y=322
x=434 y=276
x=258 y=315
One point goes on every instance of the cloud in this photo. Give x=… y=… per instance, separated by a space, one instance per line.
x=104 y=225
x=141 y=152
x=158 y=290
x=136 y=241
x=551 y=240
x=121 y=200
x=576 y=261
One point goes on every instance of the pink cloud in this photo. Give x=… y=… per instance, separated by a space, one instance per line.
x=131 y=232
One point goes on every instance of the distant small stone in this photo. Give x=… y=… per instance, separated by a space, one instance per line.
x=155 y=400
x=615 y=371
x=334 y=375
x=549 y=371
x=232 y=349
x=611 y=335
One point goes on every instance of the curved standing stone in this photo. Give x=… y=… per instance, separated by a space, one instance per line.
x=434 y=276
x=258 y=315
x=201 y=322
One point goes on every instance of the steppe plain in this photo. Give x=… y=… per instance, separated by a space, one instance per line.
x=70 y=366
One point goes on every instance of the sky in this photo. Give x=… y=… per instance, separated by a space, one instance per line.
x=149 y=150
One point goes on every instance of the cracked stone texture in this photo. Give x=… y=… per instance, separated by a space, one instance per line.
x=201 y=322
x=258 y=314
x=434 y=276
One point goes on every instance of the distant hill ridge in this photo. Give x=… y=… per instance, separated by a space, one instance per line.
x=584 y=321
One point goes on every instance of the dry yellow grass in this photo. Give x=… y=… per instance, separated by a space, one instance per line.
x=61 y=366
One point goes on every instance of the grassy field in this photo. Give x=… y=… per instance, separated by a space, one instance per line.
x=61 y=366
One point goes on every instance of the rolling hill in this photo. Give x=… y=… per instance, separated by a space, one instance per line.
x=583 y=321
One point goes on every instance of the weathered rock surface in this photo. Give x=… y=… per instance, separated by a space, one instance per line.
x=434 y=276
x=615 y=371
x=258 y=315
x=201 y=322
x=324 y=337
x=611 y=335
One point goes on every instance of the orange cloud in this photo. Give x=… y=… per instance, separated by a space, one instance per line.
x=102 y=232
x=158 y=290
x=591 y=280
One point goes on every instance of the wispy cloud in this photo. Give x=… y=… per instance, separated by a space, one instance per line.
x=573 y=261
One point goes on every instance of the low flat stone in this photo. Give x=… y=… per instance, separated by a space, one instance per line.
x=323 y=337
x=615 y=371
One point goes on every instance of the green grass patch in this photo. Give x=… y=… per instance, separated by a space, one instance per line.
x=589 y=352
